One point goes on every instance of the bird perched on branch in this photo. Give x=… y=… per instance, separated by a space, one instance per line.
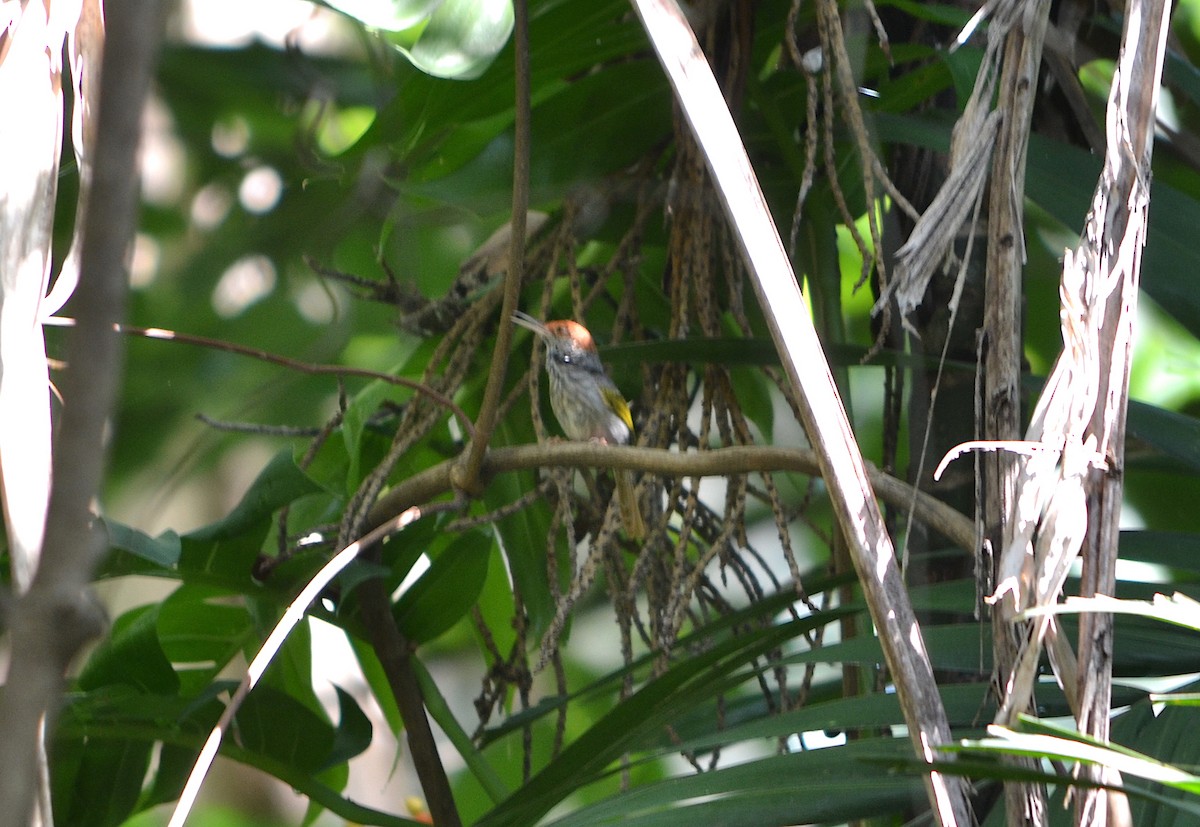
x=586 y=403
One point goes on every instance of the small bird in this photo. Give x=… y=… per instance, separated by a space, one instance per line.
x=586 y=403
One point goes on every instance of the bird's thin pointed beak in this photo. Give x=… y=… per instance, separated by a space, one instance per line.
x=529 y=323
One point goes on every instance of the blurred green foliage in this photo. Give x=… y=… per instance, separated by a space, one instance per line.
x=281 y=164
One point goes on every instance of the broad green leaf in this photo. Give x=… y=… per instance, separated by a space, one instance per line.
x=224 y=553
x=581 y=134
x=377 y=681
x=201 y=629
x=353 y=733
x=106 y=783
x=365 y=405
x=291 y=670
x=131 y=655
x=331 y=466
x=496 y=606
x=163 y=550
x=278 y=484
x=276 y=725
x=444 y=717
x=188 y=724
x=944 y=14
x=446 y=591
x=462 y=38
x=175 y=763
x=522 y=537
x=572 y=38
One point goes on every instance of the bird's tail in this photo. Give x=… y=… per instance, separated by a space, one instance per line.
x=631 y=514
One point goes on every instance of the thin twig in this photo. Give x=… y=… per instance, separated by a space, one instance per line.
x=468 y=478
x=311 y=368
x=258 y=429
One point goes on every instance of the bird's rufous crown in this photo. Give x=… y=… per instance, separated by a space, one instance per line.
x=574 y=331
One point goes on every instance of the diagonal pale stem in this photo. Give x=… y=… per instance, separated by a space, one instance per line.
x=824 y=416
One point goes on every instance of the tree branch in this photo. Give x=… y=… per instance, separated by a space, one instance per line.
x=436 y=481
x=395 y=656
x=1113 y=239
x=55 y=617
x=1002 y=328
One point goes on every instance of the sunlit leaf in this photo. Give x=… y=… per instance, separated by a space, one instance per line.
x=460 y=39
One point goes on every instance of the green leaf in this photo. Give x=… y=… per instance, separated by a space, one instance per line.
x=278 y=484
x=1166 y=734
x=365 y=405
x=184 y=724
x=131 y=655
x=443 y=716
x=581 y=132
x=276 y=725
x=838 y=786
x=1073 y=747
x=163 y=550
x=1176 y=435
x=377 y=681
x=224 y=553
x=291 y=670
x=175 y=763
x=1061 y=179
x=105 y=785
x=462 y=38
x=201 y=631
x=354 y=730
x=523 y=542
x=944 y=14
x=446 y=591
x=641 y=717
